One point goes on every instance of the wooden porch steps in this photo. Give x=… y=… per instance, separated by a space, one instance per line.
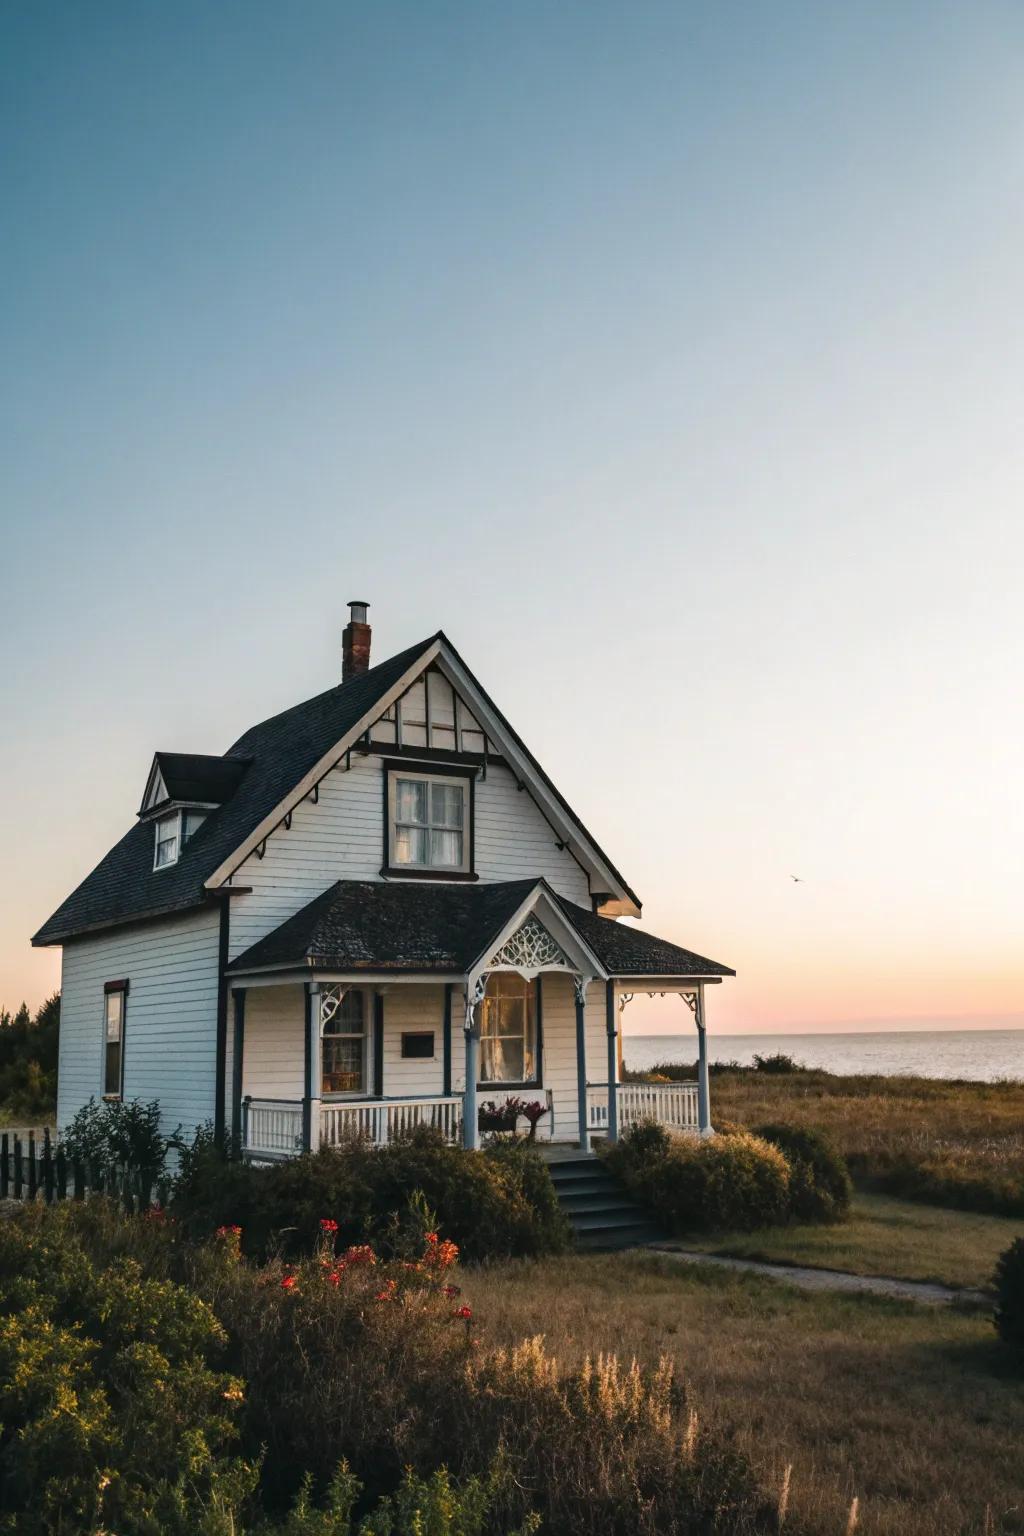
x=602 y=1215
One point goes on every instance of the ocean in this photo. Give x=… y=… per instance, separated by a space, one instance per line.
x=982 y=1054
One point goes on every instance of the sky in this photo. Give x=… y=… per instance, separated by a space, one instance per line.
x=669 y=356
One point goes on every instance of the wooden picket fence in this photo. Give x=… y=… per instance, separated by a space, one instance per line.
x=30 y=1170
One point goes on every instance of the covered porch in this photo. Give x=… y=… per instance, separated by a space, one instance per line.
x=322 y=1050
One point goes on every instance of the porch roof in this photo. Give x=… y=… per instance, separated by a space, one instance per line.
x=423 y=927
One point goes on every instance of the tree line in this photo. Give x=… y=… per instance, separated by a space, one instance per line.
x=28 y=1060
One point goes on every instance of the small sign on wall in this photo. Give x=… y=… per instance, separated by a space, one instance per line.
x=419 y=1045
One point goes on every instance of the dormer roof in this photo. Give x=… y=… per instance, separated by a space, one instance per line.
x=191 y=778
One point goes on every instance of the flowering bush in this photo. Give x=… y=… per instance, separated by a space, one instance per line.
x=496 y=1203
x=117 y=1414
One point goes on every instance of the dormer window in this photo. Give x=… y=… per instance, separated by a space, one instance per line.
x=167 y=830
x=173 y=831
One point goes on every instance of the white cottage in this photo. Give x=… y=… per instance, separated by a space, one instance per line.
x=374 y=911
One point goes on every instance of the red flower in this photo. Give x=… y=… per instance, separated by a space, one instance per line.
x=288 y=1283
x=227 y=1233
x=362 y=1253
x=327 y=1224
x=431 y=1237
x=390 y=1287
x=464 y=1312
x=451 y=1291
x=441 y=1255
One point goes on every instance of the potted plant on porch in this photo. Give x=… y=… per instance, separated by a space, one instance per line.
x=504 y=1117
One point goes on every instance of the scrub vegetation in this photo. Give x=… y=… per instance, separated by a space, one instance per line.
x=951 y=1143
x=150 y=1385
x=915 y=1411
x=28 y=1064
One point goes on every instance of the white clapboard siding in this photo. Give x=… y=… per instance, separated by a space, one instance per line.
x=274 y=1053
x=342 y=838
x=170 y=1017
x=416 y=1009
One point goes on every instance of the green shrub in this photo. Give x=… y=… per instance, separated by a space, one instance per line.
x=1009 y=1289
x=119 y=1137
x=494 y=1204
x=819 y=1180
x=115 y=1412
x=778 y=1063
x=431 y=1506
x=695 y=1185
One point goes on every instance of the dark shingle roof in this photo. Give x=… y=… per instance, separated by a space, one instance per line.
x=197 y=777
x=124 y=886
x=411 y=926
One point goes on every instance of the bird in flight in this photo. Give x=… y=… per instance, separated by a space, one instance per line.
x=799 y=879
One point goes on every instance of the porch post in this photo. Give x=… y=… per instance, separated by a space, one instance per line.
x=446 y=1039
x=311 y=1097
x=470 y=1120
x=237 y=1053
x=580 y=983
x=613 y=1061
x=703 y=1081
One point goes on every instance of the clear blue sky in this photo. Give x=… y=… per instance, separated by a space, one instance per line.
x=669 y=356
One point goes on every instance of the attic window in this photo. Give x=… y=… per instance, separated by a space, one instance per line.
x=172 y=833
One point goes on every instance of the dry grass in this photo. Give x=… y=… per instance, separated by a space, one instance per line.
x=907 y=1408
x=954 y=1143
x=884 y=1237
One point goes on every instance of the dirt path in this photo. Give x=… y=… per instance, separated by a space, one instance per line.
x=830 y=1279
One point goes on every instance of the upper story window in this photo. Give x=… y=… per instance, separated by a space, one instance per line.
x=172 y=833
x=429 y=818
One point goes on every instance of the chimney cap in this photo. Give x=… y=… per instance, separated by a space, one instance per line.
x=357 y=611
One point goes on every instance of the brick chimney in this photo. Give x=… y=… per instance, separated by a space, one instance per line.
x=355 y=642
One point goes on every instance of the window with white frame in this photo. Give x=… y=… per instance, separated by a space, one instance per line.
x=508 y=1030
x=114 y=996
x=343 y=1047
x=429 y=822
x=173 y=831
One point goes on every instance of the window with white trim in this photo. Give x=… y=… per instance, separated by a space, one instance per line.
x=508 y=1030
x=173 y=831
x=429 y=822
x=343 y=1047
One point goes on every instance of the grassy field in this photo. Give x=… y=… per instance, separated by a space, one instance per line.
x=884 y=1237
x=908 y=1408
x=952 y=1143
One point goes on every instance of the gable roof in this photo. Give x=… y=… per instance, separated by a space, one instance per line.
x=374 y=925
x=280 y=760
x=124 y=886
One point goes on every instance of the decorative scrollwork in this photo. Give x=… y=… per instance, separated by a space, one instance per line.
x=530 y=948
x=330 y=1002
x=624 y=998
x=690 y=999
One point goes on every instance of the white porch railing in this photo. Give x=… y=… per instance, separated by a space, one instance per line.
x=381 y=1120
x=272 y=1126
x=671 y=1104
